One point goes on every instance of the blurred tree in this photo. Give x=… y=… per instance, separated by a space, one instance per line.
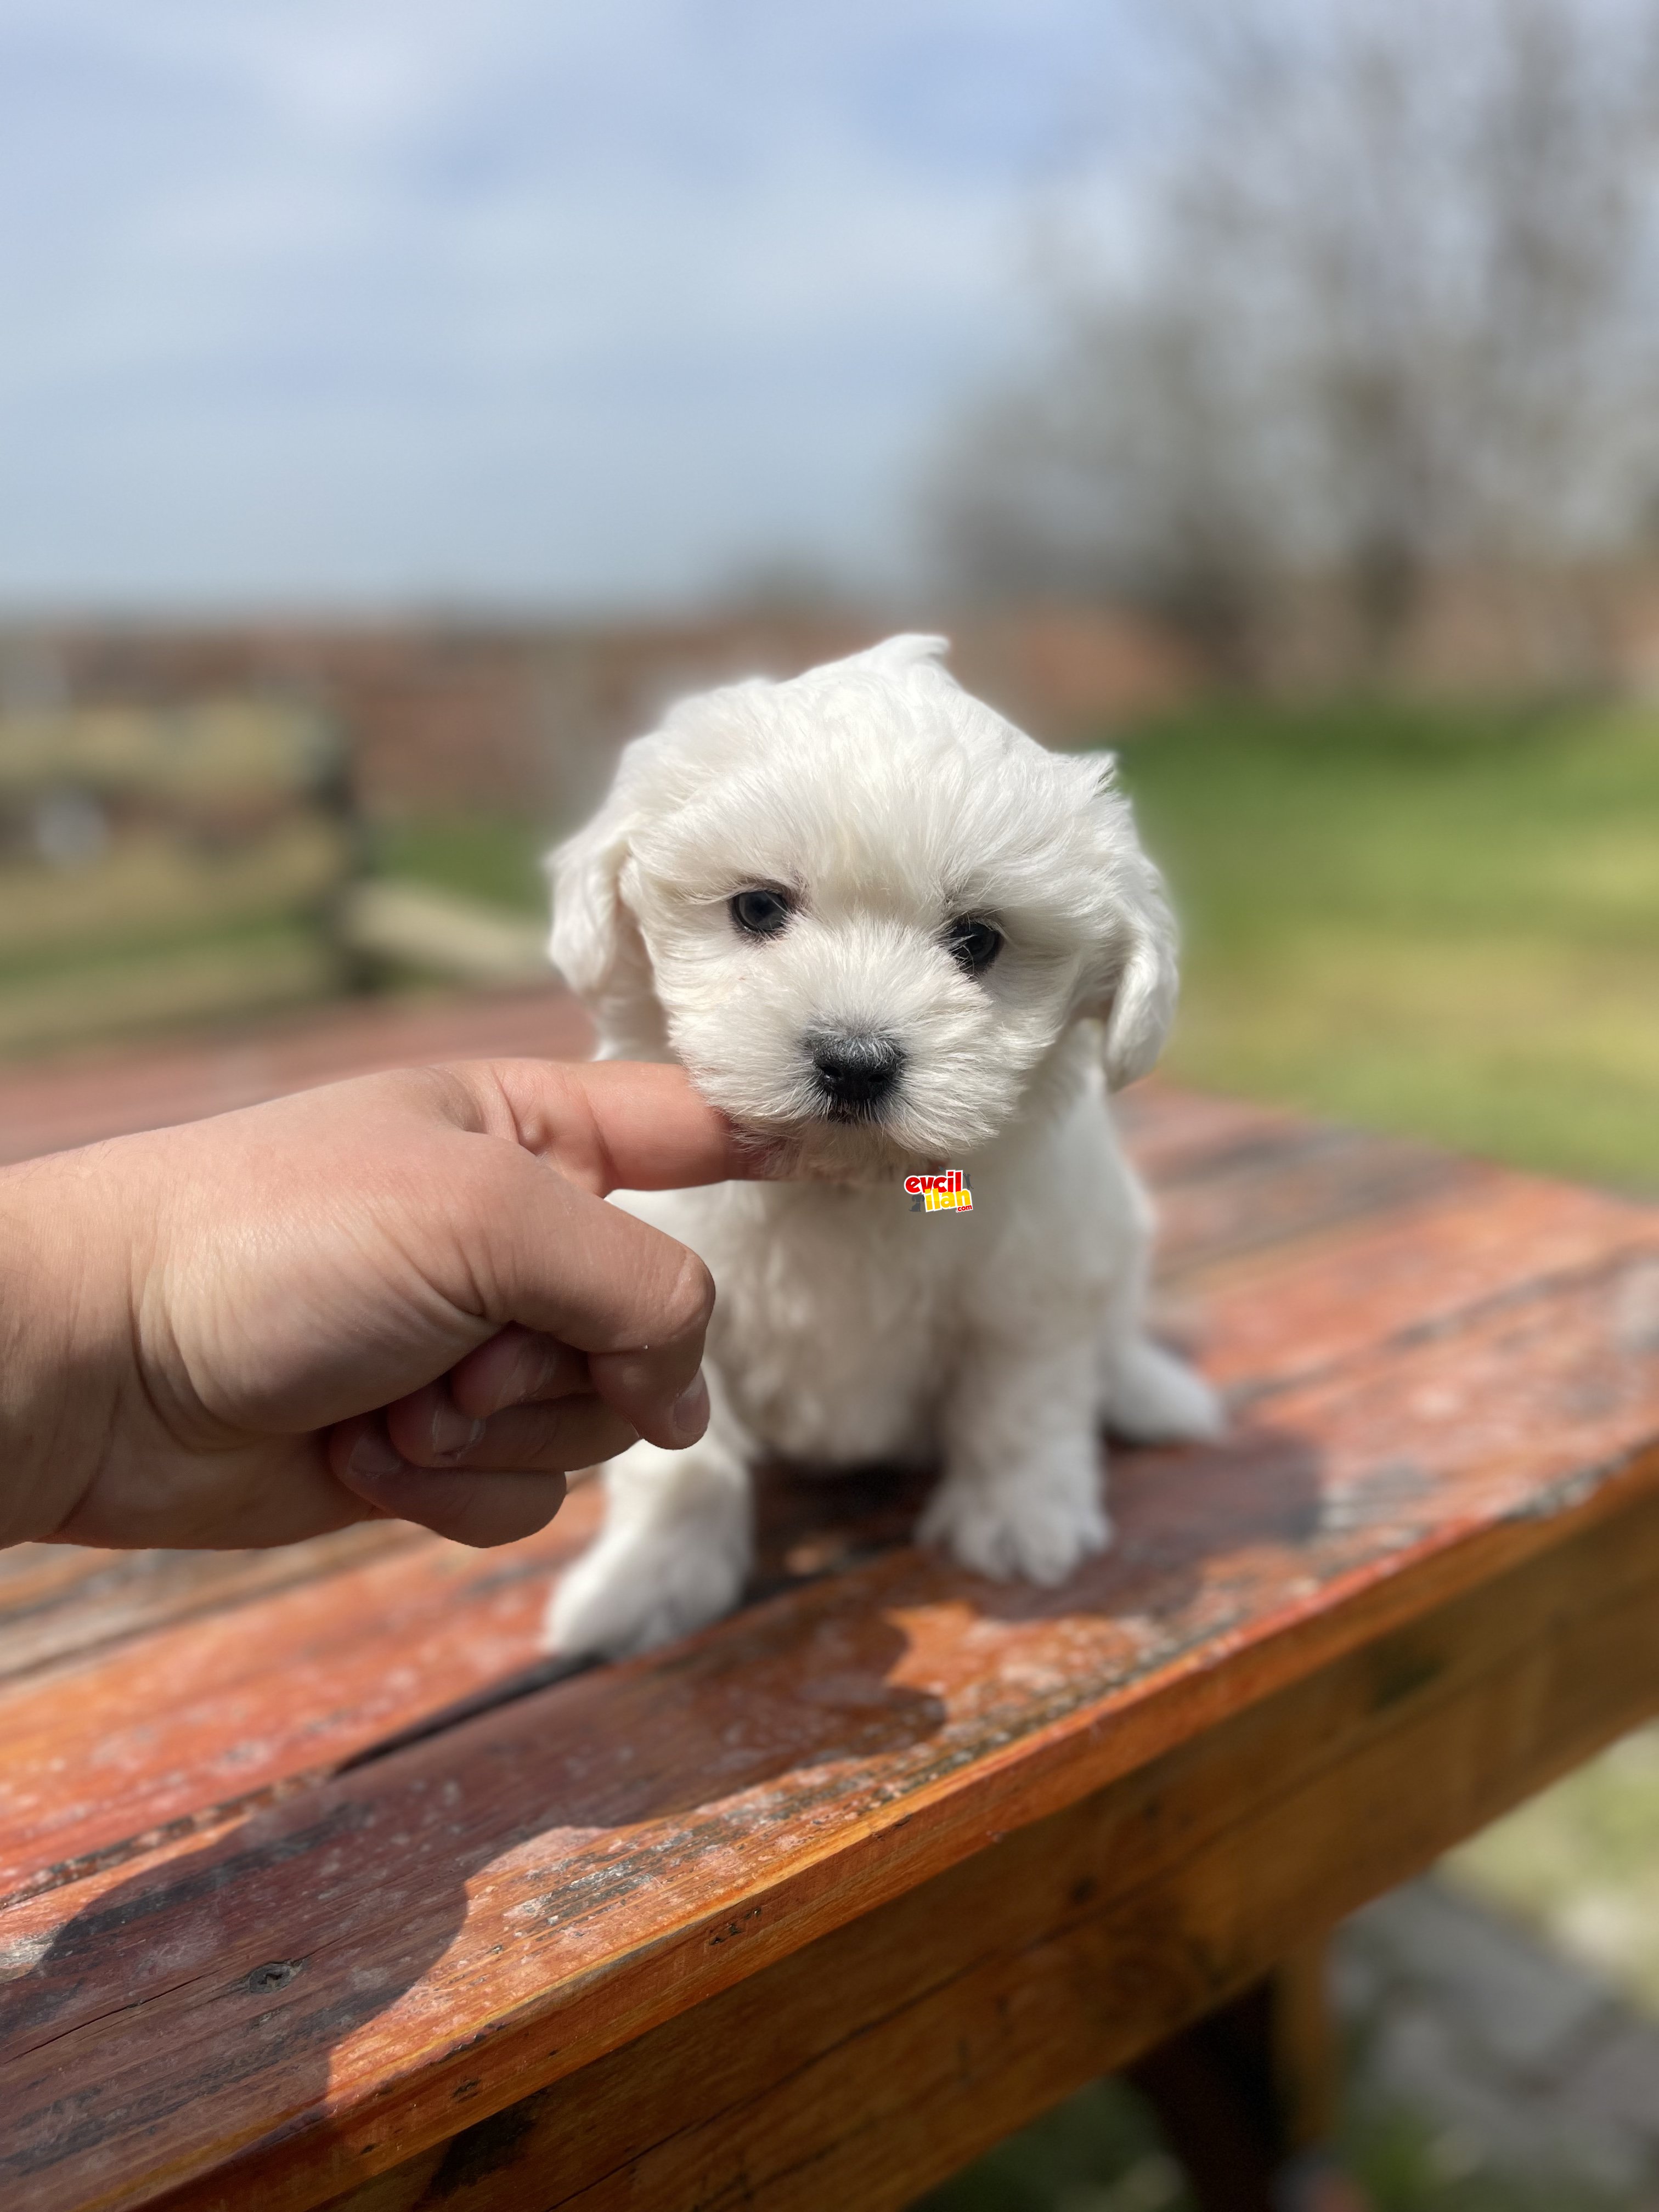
x=1394 y=307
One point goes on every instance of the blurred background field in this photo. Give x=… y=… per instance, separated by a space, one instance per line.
x=1440 y=919
x=1433 y=921
x=399 y=406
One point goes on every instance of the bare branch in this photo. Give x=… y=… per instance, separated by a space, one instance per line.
x=1399 y=308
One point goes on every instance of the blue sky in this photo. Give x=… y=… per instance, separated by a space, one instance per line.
x=469 y=302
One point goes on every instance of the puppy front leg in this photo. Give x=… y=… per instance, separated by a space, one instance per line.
x=1023 y=1490
x=672 y=1556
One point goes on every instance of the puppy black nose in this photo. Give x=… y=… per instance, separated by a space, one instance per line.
x=855 y=1073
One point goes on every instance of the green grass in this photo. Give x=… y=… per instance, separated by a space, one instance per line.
x=171 y=982
x=493 y=858
x=1438 y=922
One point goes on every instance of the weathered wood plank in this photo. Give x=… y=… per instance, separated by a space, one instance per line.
x=1413 y=1271
x=1284 y=1182
x=194 y=1720
x=60 y=1604
x=210 y=1714
x=260 y=1984
x=865 y=2067
x=1265 y=1316
x=488 y=1911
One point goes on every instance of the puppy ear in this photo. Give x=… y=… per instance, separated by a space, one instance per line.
x=1137 y=1001
x=595 y=942
x=1143 y=1003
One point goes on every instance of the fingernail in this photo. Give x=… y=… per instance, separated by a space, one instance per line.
x=452 y=1432
x=688 y=1417
x=373 y=1454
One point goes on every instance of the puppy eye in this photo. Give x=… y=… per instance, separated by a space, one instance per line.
x=760 y=913
x=973 y=943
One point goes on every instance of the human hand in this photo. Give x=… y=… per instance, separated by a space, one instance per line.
x=402 y=1296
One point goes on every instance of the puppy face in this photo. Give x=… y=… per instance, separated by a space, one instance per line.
x=862 y=910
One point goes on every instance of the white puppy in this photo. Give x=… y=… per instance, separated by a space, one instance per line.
x=882 y=928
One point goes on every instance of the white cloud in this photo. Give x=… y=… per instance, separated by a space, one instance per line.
x=307 y=298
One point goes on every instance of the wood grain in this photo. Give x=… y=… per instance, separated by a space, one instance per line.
x=61 y=1602
x=499 y=1907
x=182 y=1726
x=198 y=1718
x=866 y=2069
x=258 y=1953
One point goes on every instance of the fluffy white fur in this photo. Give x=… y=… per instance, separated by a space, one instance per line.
x=885 y=804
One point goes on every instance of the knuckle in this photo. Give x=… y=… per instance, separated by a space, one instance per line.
x=691 y=1296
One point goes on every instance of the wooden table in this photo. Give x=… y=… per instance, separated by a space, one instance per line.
x=322 y=1888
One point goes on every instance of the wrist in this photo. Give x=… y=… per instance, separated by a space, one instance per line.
x=60 y=1332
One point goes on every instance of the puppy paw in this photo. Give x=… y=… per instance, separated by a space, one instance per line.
x=638 y=1588
x=1016 y=1534
x=1154 y=1398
